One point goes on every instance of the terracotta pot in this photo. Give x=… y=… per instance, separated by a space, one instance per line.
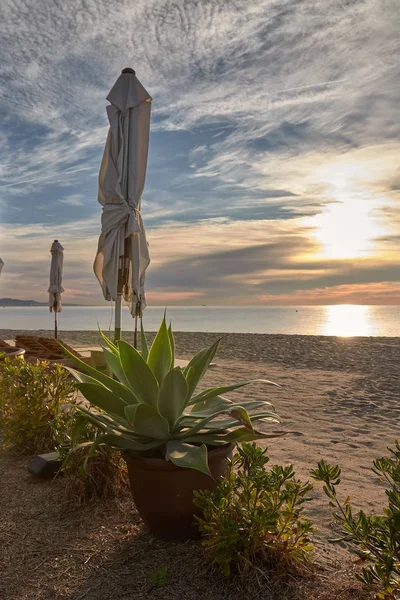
x=163 y=492
x=12 y=352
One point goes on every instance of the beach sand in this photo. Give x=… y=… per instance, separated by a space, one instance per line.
x=338 y=400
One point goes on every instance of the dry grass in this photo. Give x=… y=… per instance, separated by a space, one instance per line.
x=103 y=475
x=52 y=550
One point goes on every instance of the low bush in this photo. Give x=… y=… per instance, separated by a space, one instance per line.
x=254 y=517
x=374 y=538
x=30 y=398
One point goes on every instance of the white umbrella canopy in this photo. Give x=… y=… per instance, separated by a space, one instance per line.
x=1 y=265
x=123 y=256
x=56 y=289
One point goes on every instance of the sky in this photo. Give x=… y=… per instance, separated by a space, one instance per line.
x=273 y=174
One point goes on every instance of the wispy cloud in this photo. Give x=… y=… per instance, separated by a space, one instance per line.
x=266 y=115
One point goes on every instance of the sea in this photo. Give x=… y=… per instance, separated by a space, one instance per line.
x=337 y=320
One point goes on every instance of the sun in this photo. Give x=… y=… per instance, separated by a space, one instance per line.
x=348 y=226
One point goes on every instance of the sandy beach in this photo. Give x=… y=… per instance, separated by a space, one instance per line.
x=339 y=400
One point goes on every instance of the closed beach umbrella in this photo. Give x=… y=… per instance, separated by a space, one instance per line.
x=55 y=289
x=1 y=265
x=122 y=256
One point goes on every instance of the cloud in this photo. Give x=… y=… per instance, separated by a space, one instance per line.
x=266 y=116
x=73 y=200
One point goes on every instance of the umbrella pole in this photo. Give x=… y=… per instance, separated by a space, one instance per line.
x=55 y=324
x=136 y=333
x=118 y=303
x=122 y=280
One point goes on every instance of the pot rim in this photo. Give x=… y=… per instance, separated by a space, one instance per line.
x=161 y=464
x=12 y=350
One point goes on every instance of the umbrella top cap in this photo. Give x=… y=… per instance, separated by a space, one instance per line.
x=128 y=70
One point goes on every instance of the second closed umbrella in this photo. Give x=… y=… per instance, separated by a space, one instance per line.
x=56 y=289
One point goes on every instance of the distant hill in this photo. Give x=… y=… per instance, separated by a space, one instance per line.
x=17 y=302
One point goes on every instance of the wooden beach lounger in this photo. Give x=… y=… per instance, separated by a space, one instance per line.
x=44 y=348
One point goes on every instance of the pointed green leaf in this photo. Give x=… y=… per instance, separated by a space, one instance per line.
x=122 y=442
x=81 y=422
x=239 y=435
x=138 y=374
x=103 y=398
x=199 y=425
x=109 y=343
x=242 y=416
x=209 y=406
x=115 y=386
x=232 y=422
x=172 y=396
x=188 y=456
x=115 y=366
x=149 y=423
x=160 y=355
x=172 y=342
x=130 y=412
x=143 y=342
x=197 y=367
x=205 y=394
x=105 y=422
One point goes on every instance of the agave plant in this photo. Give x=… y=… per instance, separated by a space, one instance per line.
x=149 y=405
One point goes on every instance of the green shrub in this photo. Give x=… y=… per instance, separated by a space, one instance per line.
x=30 y=398
x=254 y=516
x=374 y=538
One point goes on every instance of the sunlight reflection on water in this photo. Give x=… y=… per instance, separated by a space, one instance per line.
x=347 y=320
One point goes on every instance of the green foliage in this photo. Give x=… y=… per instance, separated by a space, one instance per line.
x=149 y=407
x=30 y=398
x=255 y=515
x=374 y=538
x=159 y=577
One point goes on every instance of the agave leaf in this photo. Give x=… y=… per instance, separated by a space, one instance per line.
x=115 y=422
x=143 y=342
x=113 y=347
x=188 y=456
x=172 y=396
x=194 y=360
x=215 y=403
x=114 y=364
x=211 y=392
x=81 y=422
x=204 y=408
x=103 y=398
x=172 y=342
x=115 y=386
x=130 y=412
x=122 y=442
x=241 y=415
x=112 y=384
x=239 y=435
x=149 y=423
x=197 y=367
x=139 y=376
x=240 y=411
x=225 y=424
x=98 y=419
x=160 y=355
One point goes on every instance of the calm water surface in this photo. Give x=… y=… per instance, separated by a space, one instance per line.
x=340 y=320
